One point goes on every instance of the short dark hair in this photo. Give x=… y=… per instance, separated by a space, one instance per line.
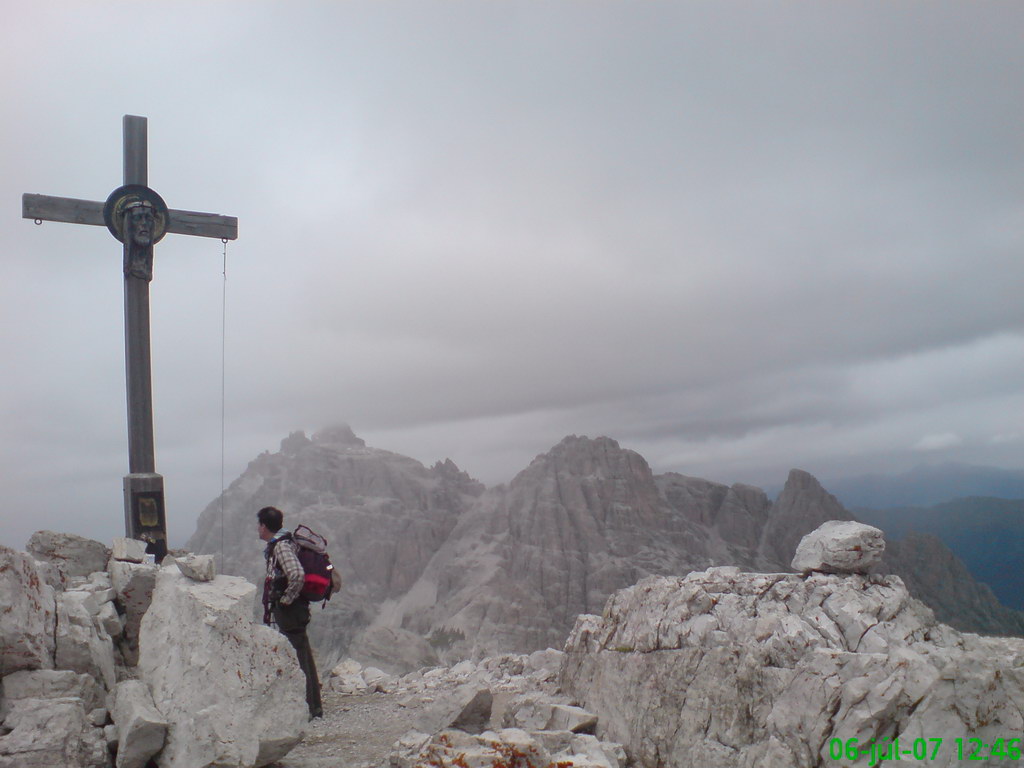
x=272 y=517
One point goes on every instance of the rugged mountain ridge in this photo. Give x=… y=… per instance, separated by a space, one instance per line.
x=385 y=516
x=437 y=568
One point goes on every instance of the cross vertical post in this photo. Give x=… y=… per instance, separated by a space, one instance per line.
x=144 y=508
x=138 y=217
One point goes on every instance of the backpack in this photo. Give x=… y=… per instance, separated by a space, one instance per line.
x=322 y=578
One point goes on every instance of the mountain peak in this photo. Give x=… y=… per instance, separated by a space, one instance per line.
x=802 y=506
x=584 y=456
x=340 y=435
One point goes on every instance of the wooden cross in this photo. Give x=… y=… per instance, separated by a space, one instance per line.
x=138 y=217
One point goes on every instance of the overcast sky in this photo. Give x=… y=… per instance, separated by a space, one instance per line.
x=738 y=237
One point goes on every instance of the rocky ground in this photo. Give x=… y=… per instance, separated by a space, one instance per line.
x=356 y=731
x=503 y=706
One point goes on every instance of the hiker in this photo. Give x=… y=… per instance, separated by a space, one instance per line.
x=282 y=604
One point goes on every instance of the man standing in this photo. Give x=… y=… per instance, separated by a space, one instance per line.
x=282 y=603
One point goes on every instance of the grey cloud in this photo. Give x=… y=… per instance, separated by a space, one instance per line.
x=736 y=236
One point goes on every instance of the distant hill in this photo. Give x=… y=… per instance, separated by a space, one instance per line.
x=927 y=485
x=986 y=533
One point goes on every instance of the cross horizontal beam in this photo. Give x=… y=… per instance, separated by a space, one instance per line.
x=73 y=211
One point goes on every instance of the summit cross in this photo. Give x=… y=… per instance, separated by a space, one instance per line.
x=138 y=217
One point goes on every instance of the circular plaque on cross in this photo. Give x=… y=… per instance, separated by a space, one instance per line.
x=135 y=198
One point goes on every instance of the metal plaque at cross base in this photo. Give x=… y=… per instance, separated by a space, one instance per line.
x=144 y=511
x=138 y=217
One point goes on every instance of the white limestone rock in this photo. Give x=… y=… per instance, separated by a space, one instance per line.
x=197 y=567
x=347 y=667
x=467 y=708
x=231 y=691
x=840 y=546
x=529 y=713
x=110 y=620
x=51 y=574
x=45 y=733
x=573 y=719
x=28 y=616
x=350 y=677
x=82 y=643
x=128 y=550
x=736 y=669
x=73 y=555
x=544 y=665
x=49 y=684
x=541 y=713
x=141 y=729
x=133 y=585
x=377 y=679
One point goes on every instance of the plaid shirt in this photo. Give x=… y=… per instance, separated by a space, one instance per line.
x=282 y=560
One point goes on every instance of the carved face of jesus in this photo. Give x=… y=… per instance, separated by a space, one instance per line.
x=141 y=224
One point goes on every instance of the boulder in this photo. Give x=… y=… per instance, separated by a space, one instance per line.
x=467 y=708
x=46 y=733
x=840 y=546
x=110 y=620
x=141 y=730
x=28 y=617
x=75 y=556
x=541 y=713
x=377 y=679
x=82 y=644
x=128 y=550
x=231 y=691
x=544 y=665
x=197 y=567
x=573 y=719
x=737 y=669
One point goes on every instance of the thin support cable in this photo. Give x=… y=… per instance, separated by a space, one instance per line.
x=223 y=391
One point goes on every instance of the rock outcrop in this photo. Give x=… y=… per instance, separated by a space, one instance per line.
x=67 y=664
x=29 y=617
x=728 y=669
x=504 y=711
x=231 y=692
x=141 y=729
x=74 y=556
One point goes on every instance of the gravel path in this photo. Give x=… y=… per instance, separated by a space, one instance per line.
x=357 y=731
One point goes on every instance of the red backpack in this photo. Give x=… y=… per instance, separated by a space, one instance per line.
x=322 y=579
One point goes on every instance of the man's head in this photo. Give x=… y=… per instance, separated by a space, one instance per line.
x=140 y=222
x=270 y=520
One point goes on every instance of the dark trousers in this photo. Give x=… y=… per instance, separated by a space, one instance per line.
x=292 y=620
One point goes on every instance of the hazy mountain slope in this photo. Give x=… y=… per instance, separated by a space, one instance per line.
x=385 y=516
x=578 y=523
x=927 y=485
x=986 y=533
x=942 y=580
